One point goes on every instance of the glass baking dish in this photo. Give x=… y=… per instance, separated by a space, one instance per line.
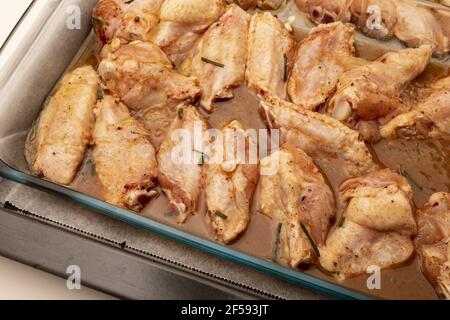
x=37 y=54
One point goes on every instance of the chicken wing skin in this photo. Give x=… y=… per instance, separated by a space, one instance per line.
x=320 y=60
x=219 y=59
x=125 y=159
x=424 y=29
x=433 y=242
x=181 y=24
x=376 y=228
x=430 y=119
x=56 y=146
x=142 y=76
x=373 y=90
x=125 y=20
x=325 y=139
x=375 y=18
x=269 y=55
x=230 y=184
x=262 y=4
x=296 y=197
x=324 y=11
x=181 y=161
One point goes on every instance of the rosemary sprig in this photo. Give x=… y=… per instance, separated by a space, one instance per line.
x=310 y=239
x=217 y=64
x=220 y=214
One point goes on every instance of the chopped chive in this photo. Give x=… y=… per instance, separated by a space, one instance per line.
x=93 y=170
x=311 y=241
x=181 y=113
x=410 y=178
x=341 y=223
x=202 y=159
x=100 y=94
x=277 y=240
x=285 y=67
x=168 y=214
x=220 y=214
x=217 y=64
x=99 y=21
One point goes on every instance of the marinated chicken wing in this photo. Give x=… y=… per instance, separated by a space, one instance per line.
x=375 y=18
x=325 y=139
x=325 y=11
x=142 y=76
x=376 y=228
x=433 y=242
x=181 y=160
x=56 y=147
x=373 y=90
x=181 y=24
x=298 y=198
x=320 y=60
x=430 y=119
x=125 y=20
x=125 y=159
x=230 y=183
x=269 y=55
x=424 y=29
x=219 y=58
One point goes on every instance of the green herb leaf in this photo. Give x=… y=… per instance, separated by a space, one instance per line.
x=310 y=239
x=99 y=21
x=341 y=222
x=277 y=241
x=181 y=113
x=168 y=214
x=203 y=157
x=93 y=170
x=411 y=180
x=100 y=94
x=220 y=214
x=285 y=67
x=217 y=64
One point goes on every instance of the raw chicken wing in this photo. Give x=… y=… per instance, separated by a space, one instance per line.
x=181 y=161
x=269 y=55
x=181 y=24
x=298 y=198
x=325 y=139
x=142 y=76
x=219 y=58
x=376 y=228
x=124 y=158
x=320 y=60
x=125 y=20
x=433 y=241
x=56 y=147
x=231 y=182
x=430 y=119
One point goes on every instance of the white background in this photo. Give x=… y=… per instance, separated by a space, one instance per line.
x=18 y=281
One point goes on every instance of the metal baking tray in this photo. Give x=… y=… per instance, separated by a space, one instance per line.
x=31 y=64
